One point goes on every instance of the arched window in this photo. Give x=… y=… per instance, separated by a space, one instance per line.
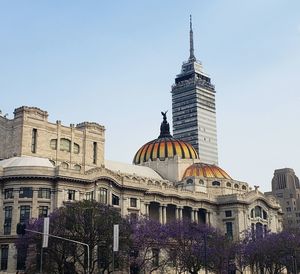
x=257 y=211
x=77 y=167
x=216 y=183
x=65 y=145
x=53 y=144
x=201 y=182
x=64 y=165
x=244 y=188
x=76 y=148
x=189 y=181
x=228 y=184
x=265 y=215
x=236 y=186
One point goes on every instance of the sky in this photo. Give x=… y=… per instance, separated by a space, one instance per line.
x=113 y=62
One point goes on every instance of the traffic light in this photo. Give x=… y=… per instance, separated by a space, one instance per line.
x=21 y=229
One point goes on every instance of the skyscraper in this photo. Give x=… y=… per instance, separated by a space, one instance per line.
x=194 y=108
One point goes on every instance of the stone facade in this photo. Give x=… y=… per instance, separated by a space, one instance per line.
x=30 y=134
x=33 y=184
x=286 y=189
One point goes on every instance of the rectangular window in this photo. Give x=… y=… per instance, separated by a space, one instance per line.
x=229 y=231
x=8 y=212
x=133 y=202
x=33 y=140
x=24 y=214
x=71 y=195
x=8 y=193
x=89 y=196
x=7 y=220
x=25 y=192
x=4 y=257
x=95 y=153
x=43 y=211
x=103 y=195
x=21 y=258
x=228 y=213
x=115 y=200
x=44 y=193
x=288 y=209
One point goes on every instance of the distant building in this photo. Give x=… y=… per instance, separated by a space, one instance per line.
x=194 y=108
x=286 y=189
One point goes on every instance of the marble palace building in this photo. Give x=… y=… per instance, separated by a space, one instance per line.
x=44 y=165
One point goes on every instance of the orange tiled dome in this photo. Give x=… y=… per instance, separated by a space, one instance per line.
x=205 y=170
x=165 y=146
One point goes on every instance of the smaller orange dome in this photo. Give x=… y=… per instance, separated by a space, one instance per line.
x=205 y=170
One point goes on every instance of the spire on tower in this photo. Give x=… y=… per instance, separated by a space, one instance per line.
x=192 y=56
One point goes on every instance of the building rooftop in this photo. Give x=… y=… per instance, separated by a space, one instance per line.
x=25 y=161
x=132 y=169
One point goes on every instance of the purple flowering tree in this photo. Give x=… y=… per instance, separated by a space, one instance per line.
x=86 y=221
x=193 y=247
x=270 y=253
x=148 y=243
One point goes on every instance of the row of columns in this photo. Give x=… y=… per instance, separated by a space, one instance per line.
x=162 y=212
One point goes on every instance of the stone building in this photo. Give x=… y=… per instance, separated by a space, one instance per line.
x=44 y=165
x=286 y=189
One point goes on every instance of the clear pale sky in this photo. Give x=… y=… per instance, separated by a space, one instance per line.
x=113 y=62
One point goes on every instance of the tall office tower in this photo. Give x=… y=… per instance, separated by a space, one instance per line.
x=194 y=108
x=286 y=189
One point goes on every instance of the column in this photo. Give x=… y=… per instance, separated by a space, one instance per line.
x=192 y=215
x=207 y=218
x=160 y=213
x=176 y=213
x=196 y=216
x=180 y=213
x=164 y=211
x=34 y=206
x=15 y=214
x=146 y=209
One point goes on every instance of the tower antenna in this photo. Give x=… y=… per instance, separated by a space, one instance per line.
x=192 y=56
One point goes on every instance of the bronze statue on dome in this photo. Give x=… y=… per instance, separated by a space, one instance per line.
x=164 y=114
x=164 y=127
